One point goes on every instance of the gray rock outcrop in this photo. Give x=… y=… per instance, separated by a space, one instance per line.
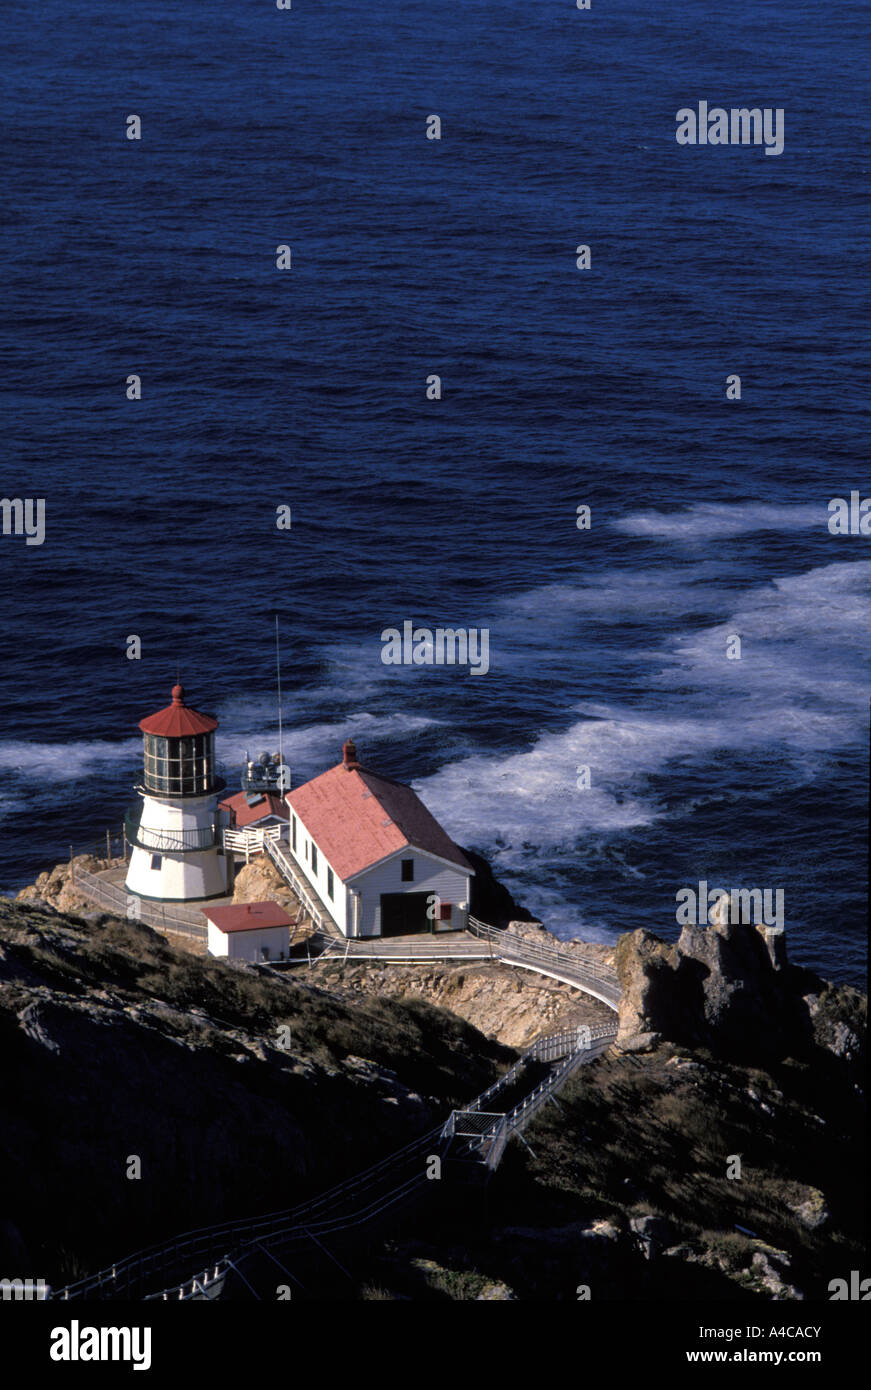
x=728 y=986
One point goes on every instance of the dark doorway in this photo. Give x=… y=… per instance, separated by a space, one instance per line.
x=404 y=913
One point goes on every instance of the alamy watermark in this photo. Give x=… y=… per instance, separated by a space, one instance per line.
x=755 y=906
x=445 y=646
x=740 y=125
x=858 y=1289
x=77 y=1343
x=23 y=517
x=850 y=518
x=24 y=1290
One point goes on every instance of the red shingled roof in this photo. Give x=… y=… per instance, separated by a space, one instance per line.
x=178 y=720
x=247 y=916
x=245 y=814
x=357 y=818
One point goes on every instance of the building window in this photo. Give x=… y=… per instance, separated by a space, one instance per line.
x=264 y=953
x=156 y=861
x=293 y=832
x=444 y=912
x=408 y=871
x=329 y=883
x=314 y=857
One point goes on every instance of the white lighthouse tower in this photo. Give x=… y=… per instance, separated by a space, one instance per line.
x=177 y=840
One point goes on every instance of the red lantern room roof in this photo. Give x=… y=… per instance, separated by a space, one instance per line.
x=178 y=720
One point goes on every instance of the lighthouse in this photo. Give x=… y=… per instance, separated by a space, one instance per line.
x=176 y=834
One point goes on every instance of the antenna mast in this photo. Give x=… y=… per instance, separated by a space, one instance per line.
x=278 y=676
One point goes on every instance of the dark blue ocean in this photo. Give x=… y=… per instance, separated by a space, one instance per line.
x=560 y=387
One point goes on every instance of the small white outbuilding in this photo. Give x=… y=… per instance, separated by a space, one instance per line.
x=249 y=931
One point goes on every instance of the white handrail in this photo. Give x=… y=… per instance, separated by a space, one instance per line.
x=253 y=839
x=285 y=868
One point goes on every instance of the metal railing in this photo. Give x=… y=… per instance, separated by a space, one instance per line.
x=523 y=1112
x=181 y=920
x=171 y=841
x=497 y=944
x=354 y=1201
x=178 y=918
x=486 y=1131
x=287 y=871
x=215 y=1244
x=590 y=975
x=482 y=1134
x=422 y=948
x=549 y=1048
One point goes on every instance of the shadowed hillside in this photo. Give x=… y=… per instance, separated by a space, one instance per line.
x=116 y=1044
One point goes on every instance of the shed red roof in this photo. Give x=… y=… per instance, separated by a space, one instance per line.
x=178 y=720
x=244 y=813
x=247 y=916
x=357 y=818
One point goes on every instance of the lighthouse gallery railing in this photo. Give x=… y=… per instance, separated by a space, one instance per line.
x=171 y=841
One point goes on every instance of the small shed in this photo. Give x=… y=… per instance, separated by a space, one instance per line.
x=249 y=931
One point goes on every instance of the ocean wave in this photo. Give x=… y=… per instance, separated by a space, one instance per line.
x=797 y=697
x=716 y=520
x=64 y=762
x=11 y=806
x=612 y=597
x=315 y=744
x=803 y=674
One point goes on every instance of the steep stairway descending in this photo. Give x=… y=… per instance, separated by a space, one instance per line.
x=190 y=1265
x=306 y=896
x=532 y=1073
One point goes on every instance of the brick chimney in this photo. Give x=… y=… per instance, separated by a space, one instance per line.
x=349 y=755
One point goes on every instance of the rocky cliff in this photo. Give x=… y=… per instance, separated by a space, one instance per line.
x=55 y=889
x=508 y=1005
x=729 y=987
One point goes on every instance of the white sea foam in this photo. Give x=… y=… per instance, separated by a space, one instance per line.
x=34 y=763
x=550 y=906
x=798 y=696
x=610 y=598
x=803 y=676
x=64 y=762
x=530 y=803
x=712 y=520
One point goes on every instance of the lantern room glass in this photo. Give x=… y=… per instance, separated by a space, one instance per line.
x=179 y=766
